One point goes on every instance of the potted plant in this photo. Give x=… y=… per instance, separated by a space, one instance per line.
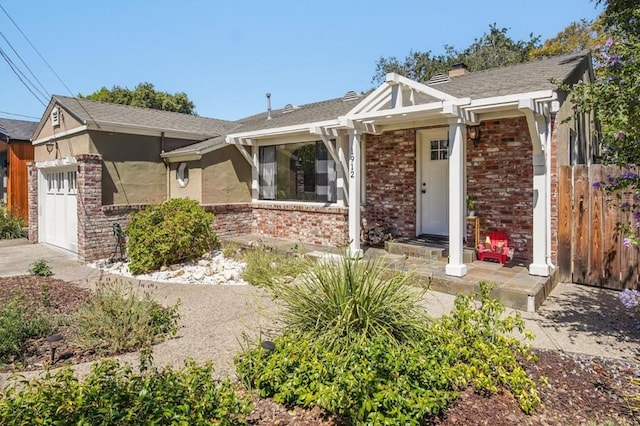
x=471 y=204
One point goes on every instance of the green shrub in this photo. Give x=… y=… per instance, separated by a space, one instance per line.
x=268 y=268
x=11 y=226
x=175 y=231
x=19 y=322
x=406 y=383
x=115 y=319
x=356 y=299
x=40 y=268
x=116 y=395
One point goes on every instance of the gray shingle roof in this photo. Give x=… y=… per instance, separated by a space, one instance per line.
x=17 y=129
x=103 y=112
x=308 y=113
x=521 y=78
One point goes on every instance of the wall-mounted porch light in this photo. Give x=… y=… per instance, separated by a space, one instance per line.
x=49 y=146
x=473 y=132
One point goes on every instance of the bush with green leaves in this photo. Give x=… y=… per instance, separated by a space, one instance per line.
x=40 y=268
x=116 y=319
x=113 y=394
x=11 y=226
x=175 y=231
x=268 y=268
x=354 y=299
x=406 y=382
x=19 y=322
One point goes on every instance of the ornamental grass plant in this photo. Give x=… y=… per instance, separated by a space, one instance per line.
x=351 y=300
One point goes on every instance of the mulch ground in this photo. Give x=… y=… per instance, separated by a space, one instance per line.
x=575 y=389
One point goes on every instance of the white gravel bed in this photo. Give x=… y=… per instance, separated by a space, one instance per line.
x=211 y=269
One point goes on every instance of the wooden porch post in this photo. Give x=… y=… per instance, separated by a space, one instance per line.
x=456 y=266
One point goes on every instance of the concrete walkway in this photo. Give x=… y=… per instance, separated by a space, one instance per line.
x=215 y=318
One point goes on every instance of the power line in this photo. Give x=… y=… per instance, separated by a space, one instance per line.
x=18 y=115
x=18 y=73
x=25 y=64
x=17 y=69
x=47 y=63
x=36 y=50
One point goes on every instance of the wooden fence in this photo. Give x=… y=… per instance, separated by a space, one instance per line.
x=590 y=249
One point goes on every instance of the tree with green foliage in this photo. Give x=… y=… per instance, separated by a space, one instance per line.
x=145 y=96
x=615 y=97
x=493 y=49
x=575 y=37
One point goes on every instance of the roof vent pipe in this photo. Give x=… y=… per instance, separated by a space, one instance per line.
x=268 y=95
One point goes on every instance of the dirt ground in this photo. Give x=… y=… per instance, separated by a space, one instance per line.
x=578 y=390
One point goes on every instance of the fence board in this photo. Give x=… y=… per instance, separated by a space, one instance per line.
x=581 y=231
x=596 y=251
x=612 y=242
x=565 y=188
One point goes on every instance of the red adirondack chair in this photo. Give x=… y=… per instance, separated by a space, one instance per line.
x=496 y=247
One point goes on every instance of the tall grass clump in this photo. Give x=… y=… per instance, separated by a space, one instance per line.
x=11 y=226
x=19 y=322
x=116 y=319
x=354 y=299
x=269 y=268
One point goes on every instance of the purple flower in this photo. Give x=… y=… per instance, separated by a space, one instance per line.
x=636 y=215
x=609 y=42
x=629 y=175
x=597 y=185
x=637 y=224
x=625 y=205
x=621 y=135
x=635 y=198
x=630 y=298
x=626 y=242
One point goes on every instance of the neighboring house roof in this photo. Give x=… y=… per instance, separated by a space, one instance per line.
x=520 y=78
x=103 y=114
x=17 y=129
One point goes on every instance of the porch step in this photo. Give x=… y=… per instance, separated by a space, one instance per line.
x=426 y=252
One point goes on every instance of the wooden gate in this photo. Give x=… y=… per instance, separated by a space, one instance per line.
x=590 y=249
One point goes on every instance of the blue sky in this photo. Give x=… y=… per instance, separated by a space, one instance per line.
x=226 y=55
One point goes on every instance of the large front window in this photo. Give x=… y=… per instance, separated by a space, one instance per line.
x=297 y=172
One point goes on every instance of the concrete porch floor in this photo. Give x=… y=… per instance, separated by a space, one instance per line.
x=513 y=285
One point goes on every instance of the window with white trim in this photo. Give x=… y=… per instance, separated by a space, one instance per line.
x=297 y=172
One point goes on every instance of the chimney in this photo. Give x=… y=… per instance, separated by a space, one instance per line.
x=458 y=70
x=268 y=95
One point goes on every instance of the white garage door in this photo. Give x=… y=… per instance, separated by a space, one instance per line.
x=58 y=216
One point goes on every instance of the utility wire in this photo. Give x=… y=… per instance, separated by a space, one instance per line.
x=49 y=66
x=19 y=115
x=18 y=74
x=24 y=77
x=25 y=64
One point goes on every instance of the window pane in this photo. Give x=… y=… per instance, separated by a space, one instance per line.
x=297 y=172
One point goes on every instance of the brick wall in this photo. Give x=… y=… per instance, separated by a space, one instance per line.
x=500 y=175
x=390 y=161
x=231 y=219
x=311 y=224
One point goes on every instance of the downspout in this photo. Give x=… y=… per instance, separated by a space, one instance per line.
x=167 y=167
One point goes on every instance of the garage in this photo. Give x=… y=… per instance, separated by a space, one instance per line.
x=57 y=215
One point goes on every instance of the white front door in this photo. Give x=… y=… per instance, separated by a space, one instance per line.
x=58 y=215
x=433 y=181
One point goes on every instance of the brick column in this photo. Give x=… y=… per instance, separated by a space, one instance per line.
x=32 y=189
x=89 y=197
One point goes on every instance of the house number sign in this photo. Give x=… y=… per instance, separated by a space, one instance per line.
x=352 y=166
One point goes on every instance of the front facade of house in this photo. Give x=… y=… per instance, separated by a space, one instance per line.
x=399 y=156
